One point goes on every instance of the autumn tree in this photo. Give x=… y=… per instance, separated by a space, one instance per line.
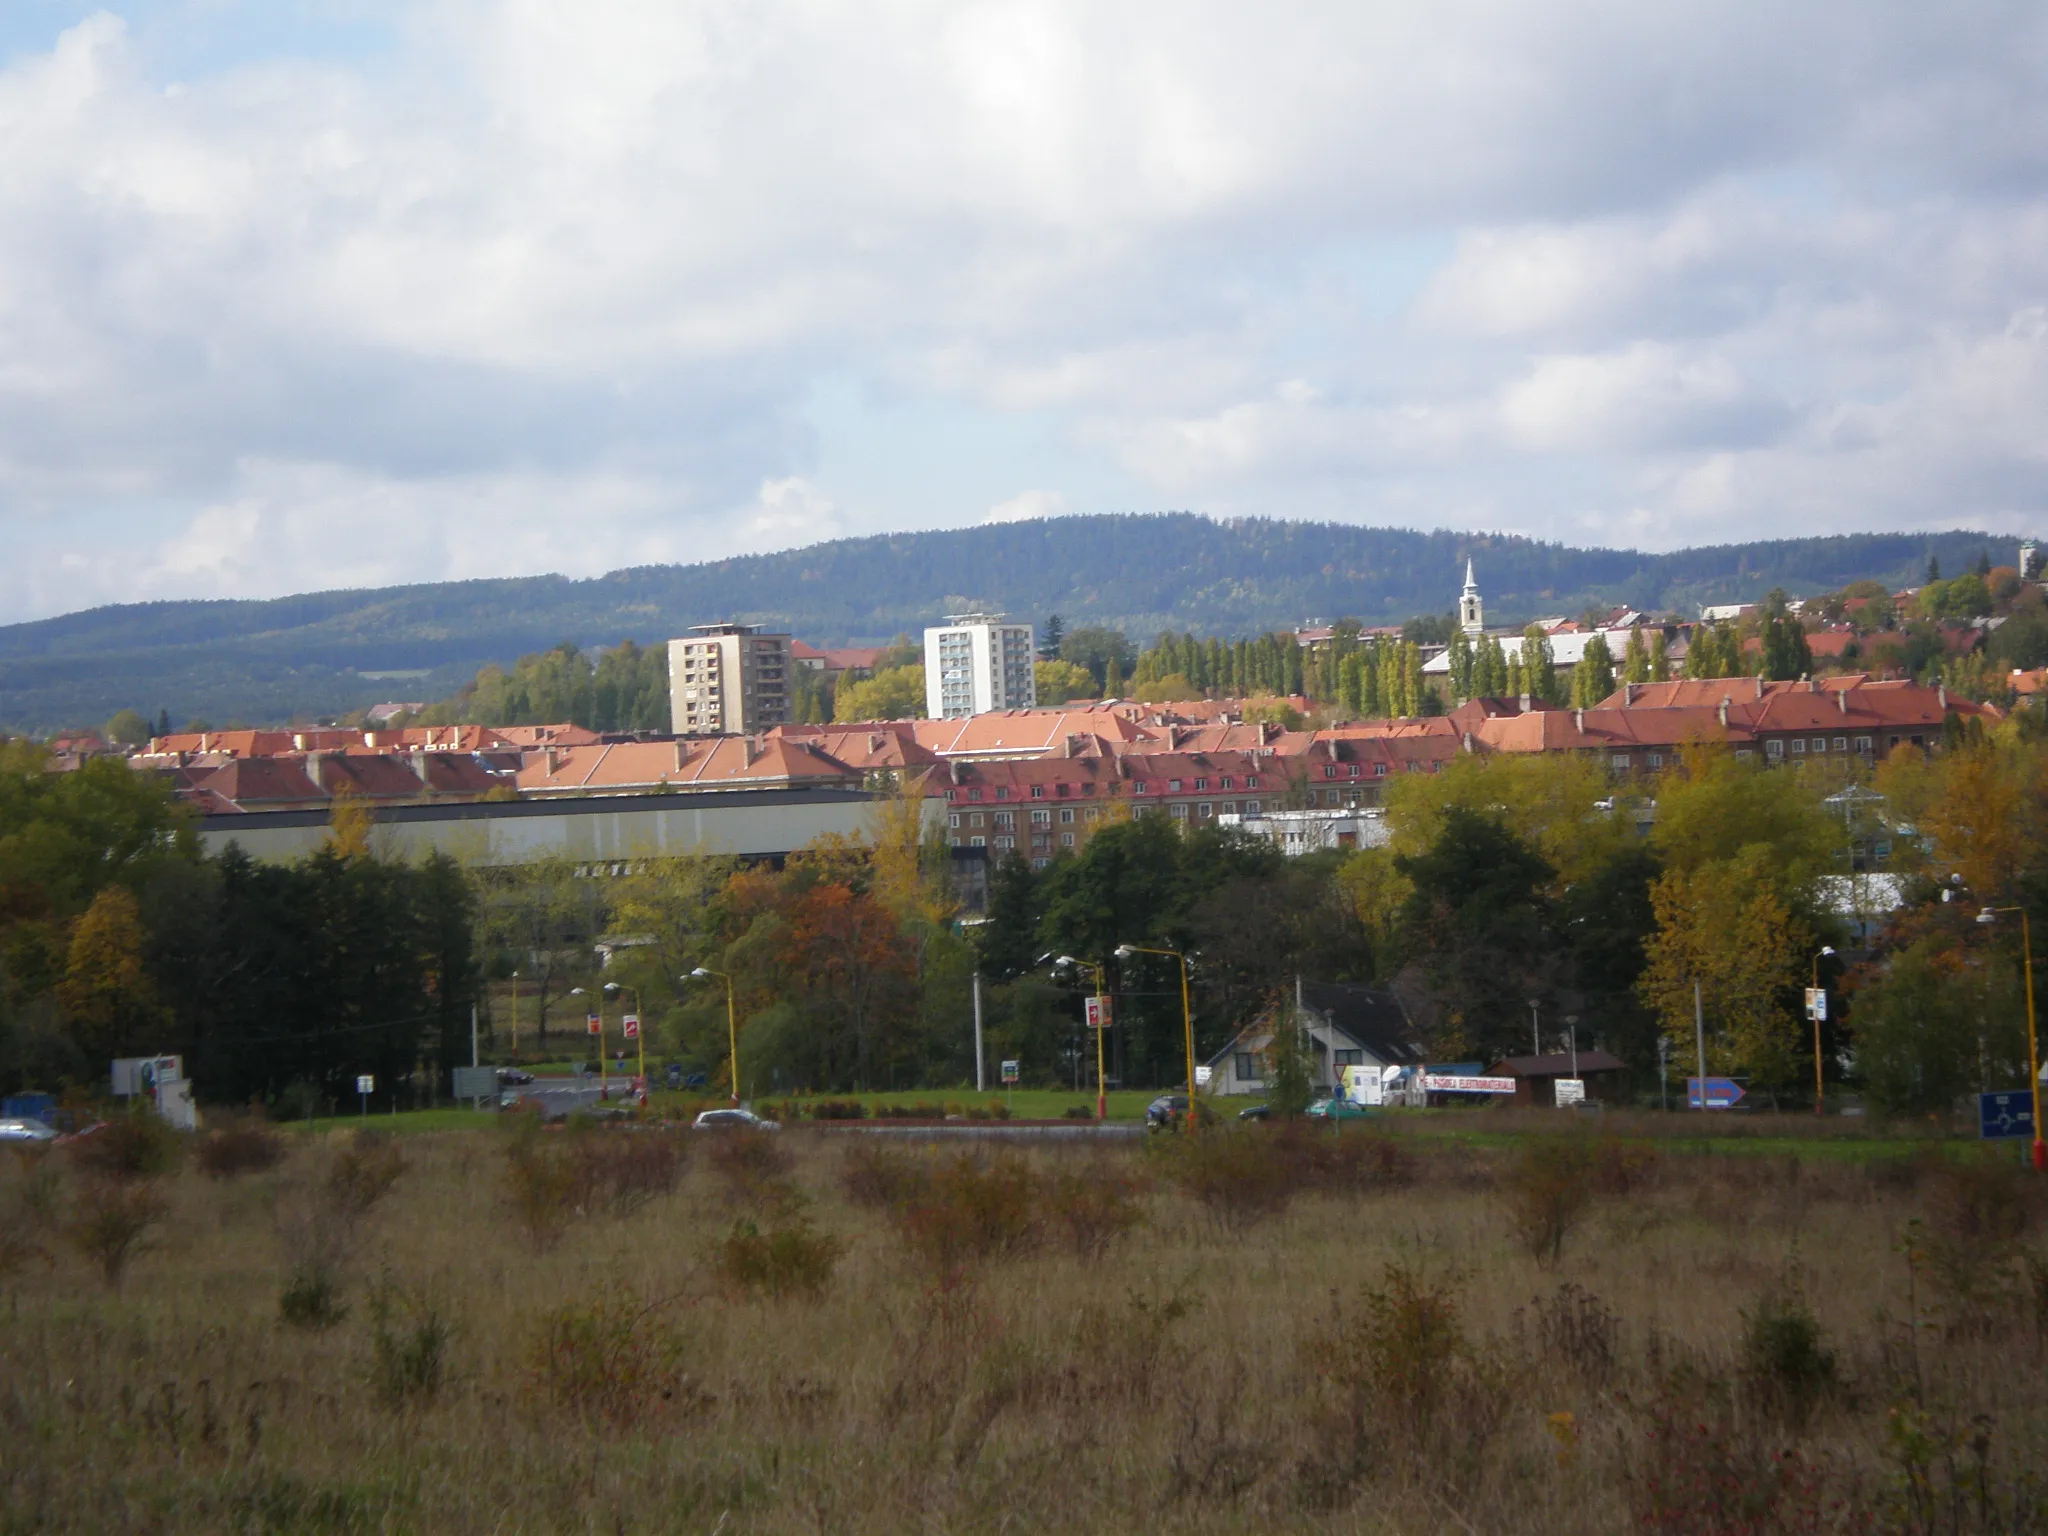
x=110 y=1003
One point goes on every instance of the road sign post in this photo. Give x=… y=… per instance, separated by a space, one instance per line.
x=1570 y=1091
x=2006 y=1116
x=1722 y=1093
x=1099 y=1021
x=366 y=1085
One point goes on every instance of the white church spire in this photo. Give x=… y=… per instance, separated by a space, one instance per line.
x=1471 y=610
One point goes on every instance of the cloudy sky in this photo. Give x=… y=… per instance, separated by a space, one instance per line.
x=312 y=293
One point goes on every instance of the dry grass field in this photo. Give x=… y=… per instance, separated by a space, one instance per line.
x=630 y=1330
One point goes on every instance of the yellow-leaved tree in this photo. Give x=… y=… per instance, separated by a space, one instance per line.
x=110 y=1003
x=1743 y=847
x=1550 y=800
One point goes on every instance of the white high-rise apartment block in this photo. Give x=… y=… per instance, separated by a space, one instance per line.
x=975 y=663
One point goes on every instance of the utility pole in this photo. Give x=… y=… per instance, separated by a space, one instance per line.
x=1699 y=1024
x=1535 y=1031
x=980 y=1074
x=472 y=1035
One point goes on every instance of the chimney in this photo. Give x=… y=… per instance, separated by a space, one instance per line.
x=1759 y=685
x=1468 y=742
x=554 y=761
x=1579 y=720
x=1842 y=700
x=682 y=755
x=298 y=741
x=1812 y=683
x=419 y=768
x=1628 y=695
x=1941 y=693
x=1525 y=701
x=1723 y=711
x=953 y=769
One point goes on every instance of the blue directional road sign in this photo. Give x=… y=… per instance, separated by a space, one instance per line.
x=2001 y=1116
x=1722 y=1092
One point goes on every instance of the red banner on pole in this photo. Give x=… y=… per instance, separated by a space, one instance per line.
x=632 y=1022
x=594 y=1024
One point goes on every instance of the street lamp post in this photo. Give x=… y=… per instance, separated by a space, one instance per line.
x=639 y=1025
x=515 y=1018
x=1101 y=1027
x=1819 y=1093
x=732 y=1027
x=1187 y=1017
x=604 y=1082
x=1989 y=915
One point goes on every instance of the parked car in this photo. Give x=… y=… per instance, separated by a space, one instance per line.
x=512 y=1077
x=25 y=1131
x=1169 y=1112
x=1336 y=1109
x=1256 y=1112
x=733 y=1120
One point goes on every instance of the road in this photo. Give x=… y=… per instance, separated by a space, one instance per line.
x=558 y=1096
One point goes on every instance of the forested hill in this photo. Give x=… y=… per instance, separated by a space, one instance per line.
x=332 y=651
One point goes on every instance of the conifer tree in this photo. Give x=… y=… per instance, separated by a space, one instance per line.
x=1635 y=667
x=1660 y=661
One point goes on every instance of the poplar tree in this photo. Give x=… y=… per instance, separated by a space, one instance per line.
x=1660 y=661
x=1635 y=666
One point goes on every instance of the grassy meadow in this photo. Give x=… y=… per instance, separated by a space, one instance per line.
x=502 y=1329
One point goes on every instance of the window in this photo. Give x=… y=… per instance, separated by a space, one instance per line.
x=1619 y=760
x=1226 y=782
x=1038 y=791
x=1251 y=781
x=1656 y=759
x=951 y=794
x=1063 y=791
x=953 y=821
x=1002 y=792
x=1093 y=813
x=1743 y=754
x=1173 y=786
x=1230 y=807
x=1820 y=744
x=1066 y=815
x=1138 y=788
x=1040 y=863
x=1004 y=818
x=977 y=842
x=1352 y=770
x=1379 y=770
x=1200 y=785
x=1205 y=810
x=1244 y=1066
x=1862 y=743
x=1774 y=750
x=974 y=794
x=1251 y=807
x=1041 y=818
x=1066 y=839
x=1841 y=743
x=1347 y=1058
x=1329 y=770
x=1006 y=842
x=1799 y=746
x=974 y=820
x=1181 y=812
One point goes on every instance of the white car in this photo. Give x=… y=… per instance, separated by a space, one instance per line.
x=733 y=1120
x=30 y=1131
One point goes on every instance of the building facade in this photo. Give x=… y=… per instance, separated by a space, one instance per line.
x=728 y=680
x=975 y=663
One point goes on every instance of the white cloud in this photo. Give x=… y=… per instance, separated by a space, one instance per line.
x=538 y=264
x=1027 y=504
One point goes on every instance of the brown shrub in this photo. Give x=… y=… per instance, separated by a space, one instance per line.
x=1978 y=1213
x=753 y=1164
x=617 y=1357
x=239 y=1149
x=1092 y=1207
x=1239 y=1176
x=622 y=1170
x=111 y=1222
x=1345 y=1162
x=1547 y=1187
x=364 y=1172
x=876 y=1175
x=789 y=1261
x=963 y=1212
x=139 y=1144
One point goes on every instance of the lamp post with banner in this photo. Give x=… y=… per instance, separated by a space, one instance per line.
x=1990 y=915
x=593 y=1024
x=1187 y=1016
x=630 y=1025
x=1099 y=1015
x=732 y=1028
x=1817 y=1011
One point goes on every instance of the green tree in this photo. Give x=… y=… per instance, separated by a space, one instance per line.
x=126 y=729
x=110 y=1003
x=894 y=693
x=1936 y=1022
x=1593 y=677
x=1786 y=655
x=1635 y=665
x=1660 y=659
x=1050 y=638
x=1539 y=665
x=1059 y=681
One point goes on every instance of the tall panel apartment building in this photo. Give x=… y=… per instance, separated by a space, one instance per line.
x=976 y=663
x=728 y=679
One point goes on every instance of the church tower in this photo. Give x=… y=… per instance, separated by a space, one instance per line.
x=1471 y=611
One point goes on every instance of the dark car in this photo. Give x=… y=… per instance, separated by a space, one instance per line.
x=512 y=1077
x=1166 y=1111
x=1256 y=1112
